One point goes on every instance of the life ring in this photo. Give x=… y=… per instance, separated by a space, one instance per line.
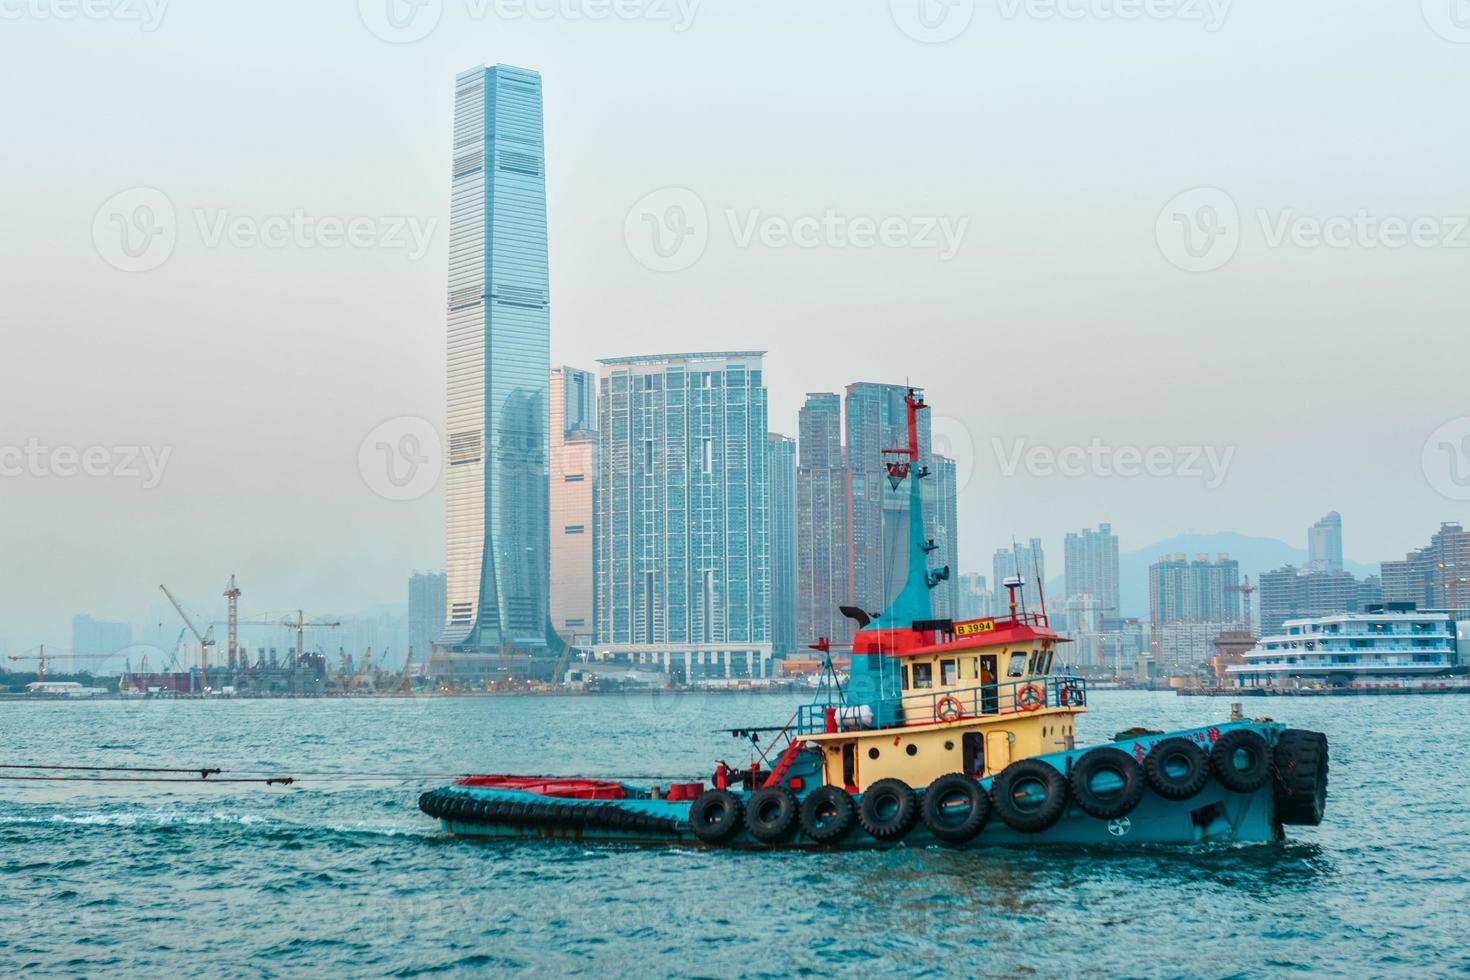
x=1030 y=795
x=1031 y=698
x=1122 y=783
x=948 y=708
x=1176 y=768
x=1235 y=746
x=888 y=809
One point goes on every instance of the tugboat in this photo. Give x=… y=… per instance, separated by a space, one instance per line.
x=946 y=733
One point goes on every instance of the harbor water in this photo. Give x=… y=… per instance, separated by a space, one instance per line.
x=340 y=874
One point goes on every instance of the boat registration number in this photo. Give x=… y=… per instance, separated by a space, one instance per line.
x=974 y=626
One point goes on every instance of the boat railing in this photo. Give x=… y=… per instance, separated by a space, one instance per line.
x=946 y=704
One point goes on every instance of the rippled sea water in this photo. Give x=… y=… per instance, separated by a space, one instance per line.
x=342 y=875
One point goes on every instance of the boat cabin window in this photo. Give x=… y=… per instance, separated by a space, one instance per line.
x=1018 y=665
x=905 y=670
x=947 y=673
x=923 y=675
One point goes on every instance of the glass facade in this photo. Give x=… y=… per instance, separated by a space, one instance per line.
x=683 y=561
x=499 y=366
x=781 y=476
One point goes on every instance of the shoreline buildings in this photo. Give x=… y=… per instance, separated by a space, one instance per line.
x=781 y=477
x=498 y=375
x=682 y=526
x=823 y=521
x=1190 y=604
x=1433 y=577
x=573 y=473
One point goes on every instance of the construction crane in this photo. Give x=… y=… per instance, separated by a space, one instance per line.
x=232 y=594
x=42 y=658
x=299 y=625
x=206 y=639
x=404 y=684
x=1247 y=590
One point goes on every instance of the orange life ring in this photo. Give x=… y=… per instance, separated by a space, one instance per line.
x=1031 y=698
x=948 y=708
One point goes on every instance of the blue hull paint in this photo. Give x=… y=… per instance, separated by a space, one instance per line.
x=1215 y=815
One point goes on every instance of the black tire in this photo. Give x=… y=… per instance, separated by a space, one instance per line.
x=1301 y=777
x=1113 y=803
x=1177 y=768
x=828 y=814
x=888 y=809
x=1010 y=794
x=716 y=815
x=955 y=808
x=1235 y=746
x=770 y=814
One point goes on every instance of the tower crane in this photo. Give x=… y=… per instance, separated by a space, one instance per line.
x=1246 y=591
x=206 y=639
x=299 y=625
x=42 y=658
x=232 y=594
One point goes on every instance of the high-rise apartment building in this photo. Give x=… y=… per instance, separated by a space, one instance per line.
x=425 y=612
x=683 y=564
x=1092 y=567
x=975 y=598
x=1324 y=544
x=781 y=476
x=96 y=636
x=1181 y=590
x=1433 y=577
x=1027 y=561
x=573 y=450
x=941 y=518
x=499 y=367
x=1298 y=593
x=823 y=525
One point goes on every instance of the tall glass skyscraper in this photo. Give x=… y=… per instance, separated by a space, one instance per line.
x=499 y=364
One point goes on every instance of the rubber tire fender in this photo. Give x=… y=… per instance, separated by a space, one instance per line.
x=1257 y=772
x=894 y=825
x=770 y=813
x=835 y=827
x=1300 y=789
x=1109 y=806
x=1053 y=805
x=934 y=815
x=716 y=815
x=1177 y=749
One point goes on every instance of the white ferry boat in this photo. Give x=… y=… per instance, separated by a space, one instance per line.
x=1386 y=650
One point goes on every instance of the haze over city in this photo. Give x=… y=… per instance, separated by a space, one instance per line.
x=1027 y=285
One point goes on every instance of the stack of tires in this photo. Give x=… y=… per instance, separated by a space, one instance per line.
x=1031 y=796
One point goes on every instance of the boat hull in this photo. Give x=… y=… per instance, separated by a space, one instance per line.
x=1213 y=815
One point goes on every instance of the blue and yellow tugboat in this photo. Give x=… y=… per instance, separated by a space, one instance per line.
x=952 y=733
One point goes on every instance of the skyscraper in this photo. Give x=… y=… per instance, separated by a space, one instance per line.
x=877 y=420
x=425 y=612
x=683 y=564
x=573 y=451
x=1181 y=590
x=1433 y=577
x=781 y=476
x=941 y=518
x=824 y=556
x=96 y=636
x=1026 y=560
x=499 y=366
x=1092 y=567
x=1324 y=544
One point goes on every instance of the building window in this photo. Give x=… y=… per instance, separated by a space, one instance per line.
x=576 y=529
x=573 y=478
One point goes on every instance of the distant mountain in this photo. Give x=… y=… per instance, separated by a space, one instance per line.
x=1256 y=555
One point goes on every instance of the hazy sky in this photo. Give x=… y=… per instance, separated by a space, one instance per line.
x=818 y=152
